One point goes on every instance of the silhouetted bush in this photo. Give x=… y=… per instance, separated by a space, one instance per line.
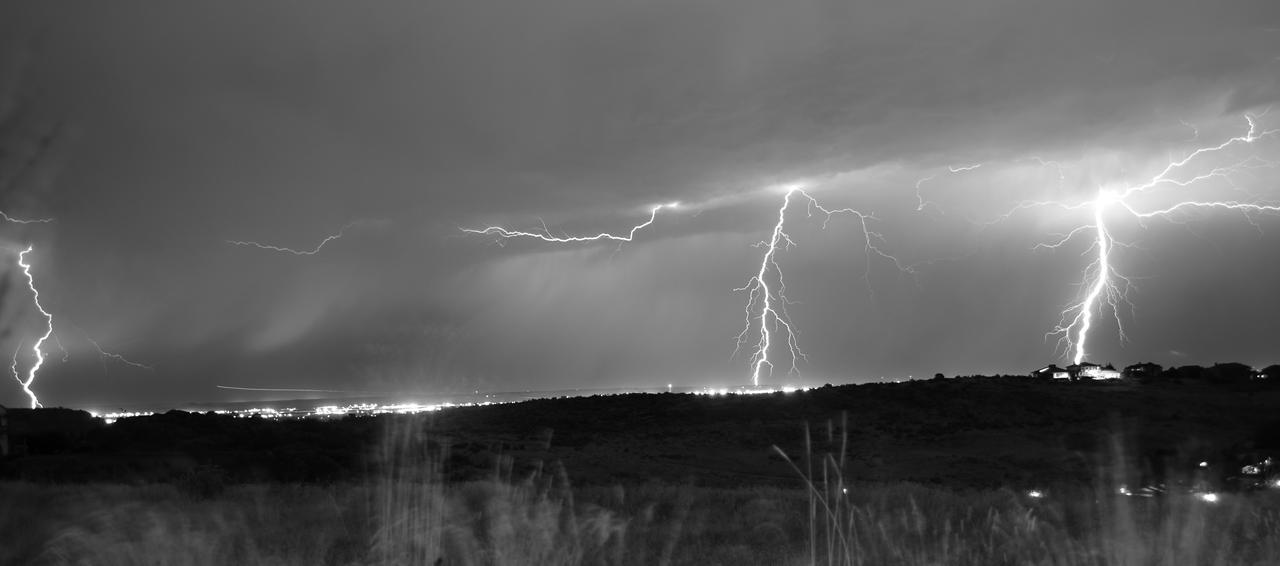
x=1230 y=372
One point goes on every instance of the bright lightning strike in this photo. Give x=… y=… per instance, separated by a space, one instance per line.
x=547 y=236
x=36 y=347
x=766 y=309
x=1104 y=285
x=1106 y=289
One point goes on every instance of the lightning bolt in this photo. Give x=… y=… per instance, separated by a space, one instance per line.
x=547 y=236
x=36 y=347
x=301 y=252
x=1103 y=287
x=14 y=220
x=767 y=301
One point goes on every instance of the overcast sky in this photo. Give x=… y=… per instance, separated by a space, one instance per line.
x=183 y=125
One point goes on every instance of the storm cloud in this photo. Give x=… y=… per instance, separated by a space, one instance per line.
x=190 y=124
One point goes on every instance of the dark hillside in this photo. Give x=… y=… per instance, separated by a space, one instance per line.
x=965 y=432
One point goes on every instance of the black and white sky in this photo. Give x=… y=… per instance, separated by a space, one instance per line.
x=182 y=125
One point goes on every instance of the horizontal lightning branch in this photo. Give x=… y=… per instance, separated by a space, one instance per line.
x=547 y=236
x=303 y=252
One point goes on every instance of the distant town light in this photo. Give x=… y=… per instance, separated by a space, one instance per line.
x=1208 y=497
x=1037 y=494
x=1204 y=464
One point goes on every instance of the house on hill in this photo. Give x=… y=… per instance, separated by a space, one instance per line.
x=1051 y=371
x=1145 y=370
x=1087 y=370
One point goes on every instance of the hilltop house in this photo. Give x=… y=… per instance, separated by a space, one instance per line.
x=1051 y=371
x=1086 y=370
x=1145 y=370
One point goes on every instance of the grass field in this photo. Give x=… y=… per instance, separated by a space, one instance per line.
x=404 y=513
x=499 y=523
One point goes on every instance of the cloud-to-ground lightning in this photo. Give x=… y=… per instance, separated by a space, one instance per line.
x=767 y=300
x=766 y=290
x=39 y=343
x=300 y=252
x=37 y=348
x=547 y=236
x=1103 y=285
x=1103 y=288
x=770 y=333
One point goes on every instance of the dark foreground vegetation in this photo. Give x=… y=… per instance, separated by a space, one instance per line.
x=962 y=471
x=962 y=433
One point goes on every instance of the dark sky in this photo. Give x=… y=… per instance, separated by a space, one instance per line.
x=183 y=125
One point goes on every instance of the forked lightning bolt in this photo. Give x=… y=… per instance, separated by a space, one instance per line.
x=1103 y=287
x=36 y=347
x=766 y=291
x=767 y=301
x=547 y=236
